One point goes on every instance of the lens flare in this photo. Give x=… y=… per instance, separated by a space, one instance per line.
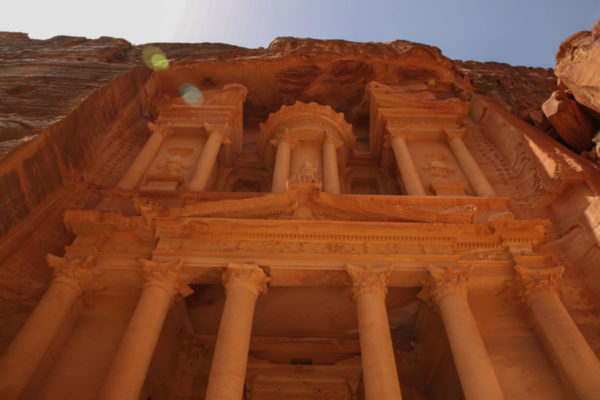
x=155 y=58
x=191 y=94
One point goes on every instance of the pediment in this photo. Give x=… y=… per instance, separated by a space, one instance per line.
x=308 y=202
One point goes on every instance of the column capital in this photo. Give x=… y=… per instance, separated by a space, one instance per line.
x=166 y=273
x=223 y=130
x=249 y=276
x=392 y=133
x=452 y=133
x=369 y=279
x=78 y=272
x=443 y=281
x=165 y=130
x=532 y=281
x=284 y=136
x=328 y=137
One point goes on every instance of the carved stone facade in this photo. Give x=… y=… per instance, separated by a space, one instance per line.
x=433 y=206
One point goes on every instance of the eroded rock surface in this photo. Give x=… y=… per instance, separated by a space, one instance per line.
x=577 y=65
x=521 y=89
x=42 y=81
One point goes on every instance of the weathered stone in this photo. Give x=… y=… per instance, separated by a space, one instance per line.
x=315 y=168
x=521 y=89
x=571 y=122
x=539 y=120
x=577 y=65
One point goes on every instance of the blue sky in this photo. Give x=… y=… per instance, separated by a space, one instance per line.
x=525 y=32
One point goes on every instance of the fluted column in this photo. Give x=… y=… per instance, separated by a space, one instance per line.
x=447 y=290
x=281 y=172
x=331 y=175
x=130 y=365
x=243 y=283
x=145 y=157
x=468 y=164
x=369 y=288
x=208 y=156
x=563 y=341
x=406 y=165
x=23 y=355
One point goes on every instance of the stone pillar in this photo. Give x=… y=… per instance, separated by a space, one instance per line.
x=447 y=290
x=130 y=365
x=369 y=287
x=208 y=156
x=243 y=283
x=406 y=165
x=331 y=175
x=564 y=342
x=145 y=157
x=469 y=166
x=281 y=171
x=23 y=355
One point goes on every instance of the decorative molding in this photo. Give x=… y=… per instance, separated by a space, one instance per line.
x=368 y=279
x=78 y=271
x=168 y=273
x=532 y=281
x=442 y=282
x=248 y=276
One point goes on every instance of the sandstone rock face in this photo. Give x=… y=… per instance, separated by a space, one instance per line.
x=521 y=89
x=42 y=81
x=311 y=166
x=572 y=123
x=577 y=65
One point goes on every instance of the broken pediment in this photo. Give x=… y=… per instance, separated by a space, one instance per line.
x=306 y=201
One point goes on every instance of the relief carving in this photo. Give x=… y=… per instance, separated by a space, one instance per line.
x=306 y=173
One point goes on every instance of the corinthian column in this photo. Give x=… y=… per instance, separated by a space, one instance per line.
x=281 y=172
x=369 y=287
x=145 y=157
x=447 y=289
x=468 y=164
x=563 y=341
x=130 y=365
x=331 y=175
x=406 y=165
x=208 y=157
x=23 y=355
x=243 y=283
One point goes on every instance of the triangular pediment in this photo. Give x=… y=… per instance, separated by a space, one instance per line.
x=307 y=202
